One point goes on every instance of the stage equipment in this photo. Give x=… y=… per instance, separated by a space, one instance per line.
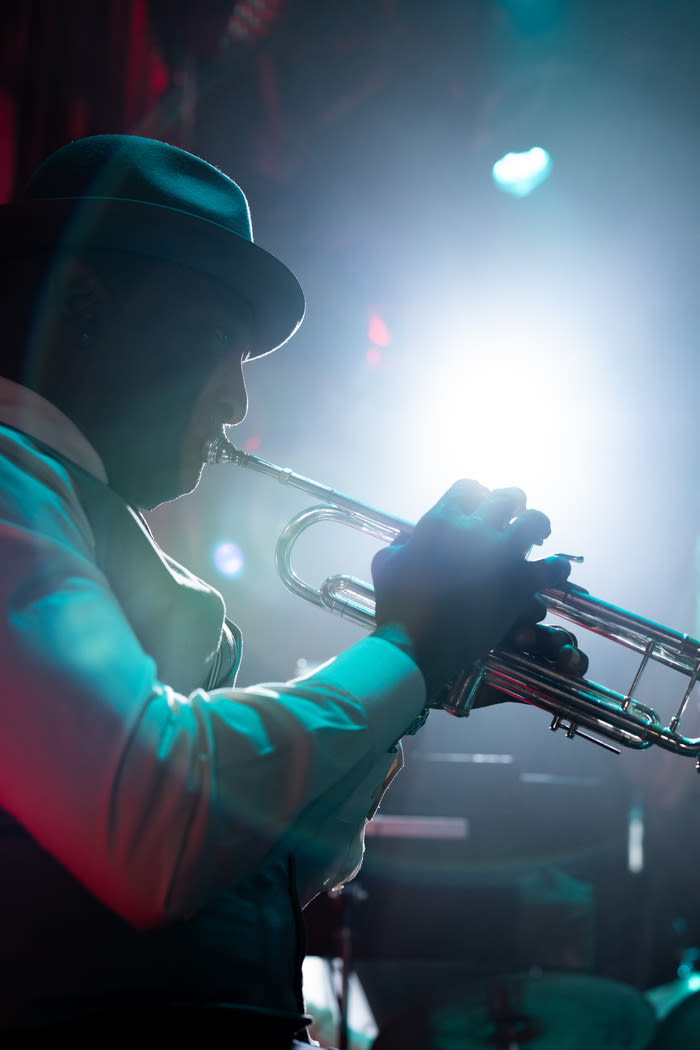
x=547 y=1012
x=575 y=703
x=678 y=1028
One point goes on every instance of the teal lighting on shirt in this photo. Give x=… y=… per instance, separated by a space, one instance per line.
x=520 y=173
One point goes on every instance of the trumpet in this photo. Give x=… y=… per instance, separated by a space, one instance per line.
x=579 y=707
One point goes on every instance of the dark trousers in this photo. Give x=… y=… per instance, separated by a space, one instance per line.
x=225 y=1028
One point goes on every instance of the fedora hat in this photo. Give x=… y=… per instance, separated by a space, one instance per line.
x=133 y=194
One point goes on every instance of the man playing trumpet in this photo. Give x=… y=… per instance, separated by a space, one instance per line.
x=160 y=828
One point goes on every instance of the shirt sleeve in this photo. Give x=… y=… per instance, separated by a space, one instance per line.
x=154 y=800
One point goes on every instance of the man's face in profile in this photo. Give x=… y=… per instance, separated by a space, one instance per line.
x=169 y=378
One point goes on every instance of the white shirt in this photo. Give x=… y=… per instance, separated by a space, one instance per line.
x=156 y=800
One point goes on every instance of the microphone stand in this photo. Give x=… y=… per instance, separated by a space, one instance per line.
x=344 y=899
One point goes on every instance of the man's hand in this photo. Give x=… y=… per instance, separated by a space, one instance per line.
x=459 y=583
x=551 y=646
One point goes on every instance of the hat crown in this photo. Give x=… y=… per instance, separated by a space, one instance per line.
x=136 y=195
x=127 y=167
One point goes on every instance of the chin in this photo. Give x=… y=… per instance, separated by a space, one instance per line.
x=186 y=482
x=149 y=493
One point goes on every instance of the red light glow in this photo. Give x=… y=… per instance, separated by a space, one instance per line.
x=378 y=331
x=252 y=443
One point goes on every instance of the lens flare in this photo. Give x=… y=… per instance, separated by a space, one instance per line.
x=521 y=173
x=228 y=558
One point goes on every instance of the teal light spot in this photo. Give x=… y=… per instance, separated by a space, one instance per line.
x=520 y=173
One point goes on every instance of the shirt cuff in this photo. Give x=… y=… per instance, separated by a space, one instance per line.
x=385 y=680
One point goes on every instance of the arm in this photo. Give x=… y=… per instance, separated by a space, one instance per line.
x=157 y=801
x=154 y=800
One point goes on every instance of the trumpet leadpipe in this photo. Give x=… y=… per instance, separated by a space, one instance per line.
x=222 y=451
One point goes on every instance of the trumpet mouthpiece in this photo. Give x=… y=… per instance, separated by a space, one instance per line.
x=220 y=451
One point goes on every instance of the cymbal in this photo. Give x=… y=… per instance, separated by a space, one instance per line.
x=666 y=997
x=547 y=1012
x=679 y=1030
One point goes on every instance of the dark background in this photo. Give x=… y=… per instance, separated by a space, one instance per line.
x=548 y=342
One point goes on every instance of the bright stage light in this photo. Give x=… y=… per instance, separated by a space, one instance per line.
x=495 y=403
x=520 y=173
x=228 y=558
x=502 y=408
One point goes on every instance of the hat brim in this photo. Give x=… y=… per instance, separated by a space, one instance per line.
x=168 y=235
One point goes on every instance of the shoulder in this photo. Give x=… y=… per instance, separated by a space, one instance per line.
x=37 y=492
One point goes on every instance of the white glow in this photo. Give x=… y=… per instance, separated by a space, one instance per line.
x=520 y=173
x=322 y=984
x=635 y=841
x=228 y=559
x=502 y=412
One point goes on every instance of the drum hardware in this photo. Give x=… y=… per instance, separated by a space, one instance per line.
x=527 y=1012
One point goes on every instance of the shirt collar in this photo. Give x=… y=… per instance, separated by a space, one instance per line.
x=30 y=412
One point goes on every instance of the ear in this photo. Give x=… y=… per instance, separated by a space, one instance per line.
x=80 y=298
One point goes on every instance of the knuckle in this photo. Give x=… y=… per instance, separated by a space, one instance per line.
x=467 y=494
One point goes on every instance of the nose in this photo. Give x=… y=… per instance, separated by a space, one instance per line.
x=236 y=405
x=231 y=394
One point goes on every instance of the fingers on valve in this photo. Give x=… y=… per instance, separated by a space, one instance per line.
x=532 y=527
x=572 y=661
x=466 y=495
x=549 y=572
x=551 y=640
x=501 y=506
x=554 y=644
x=561 y=648
x=532 y=611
